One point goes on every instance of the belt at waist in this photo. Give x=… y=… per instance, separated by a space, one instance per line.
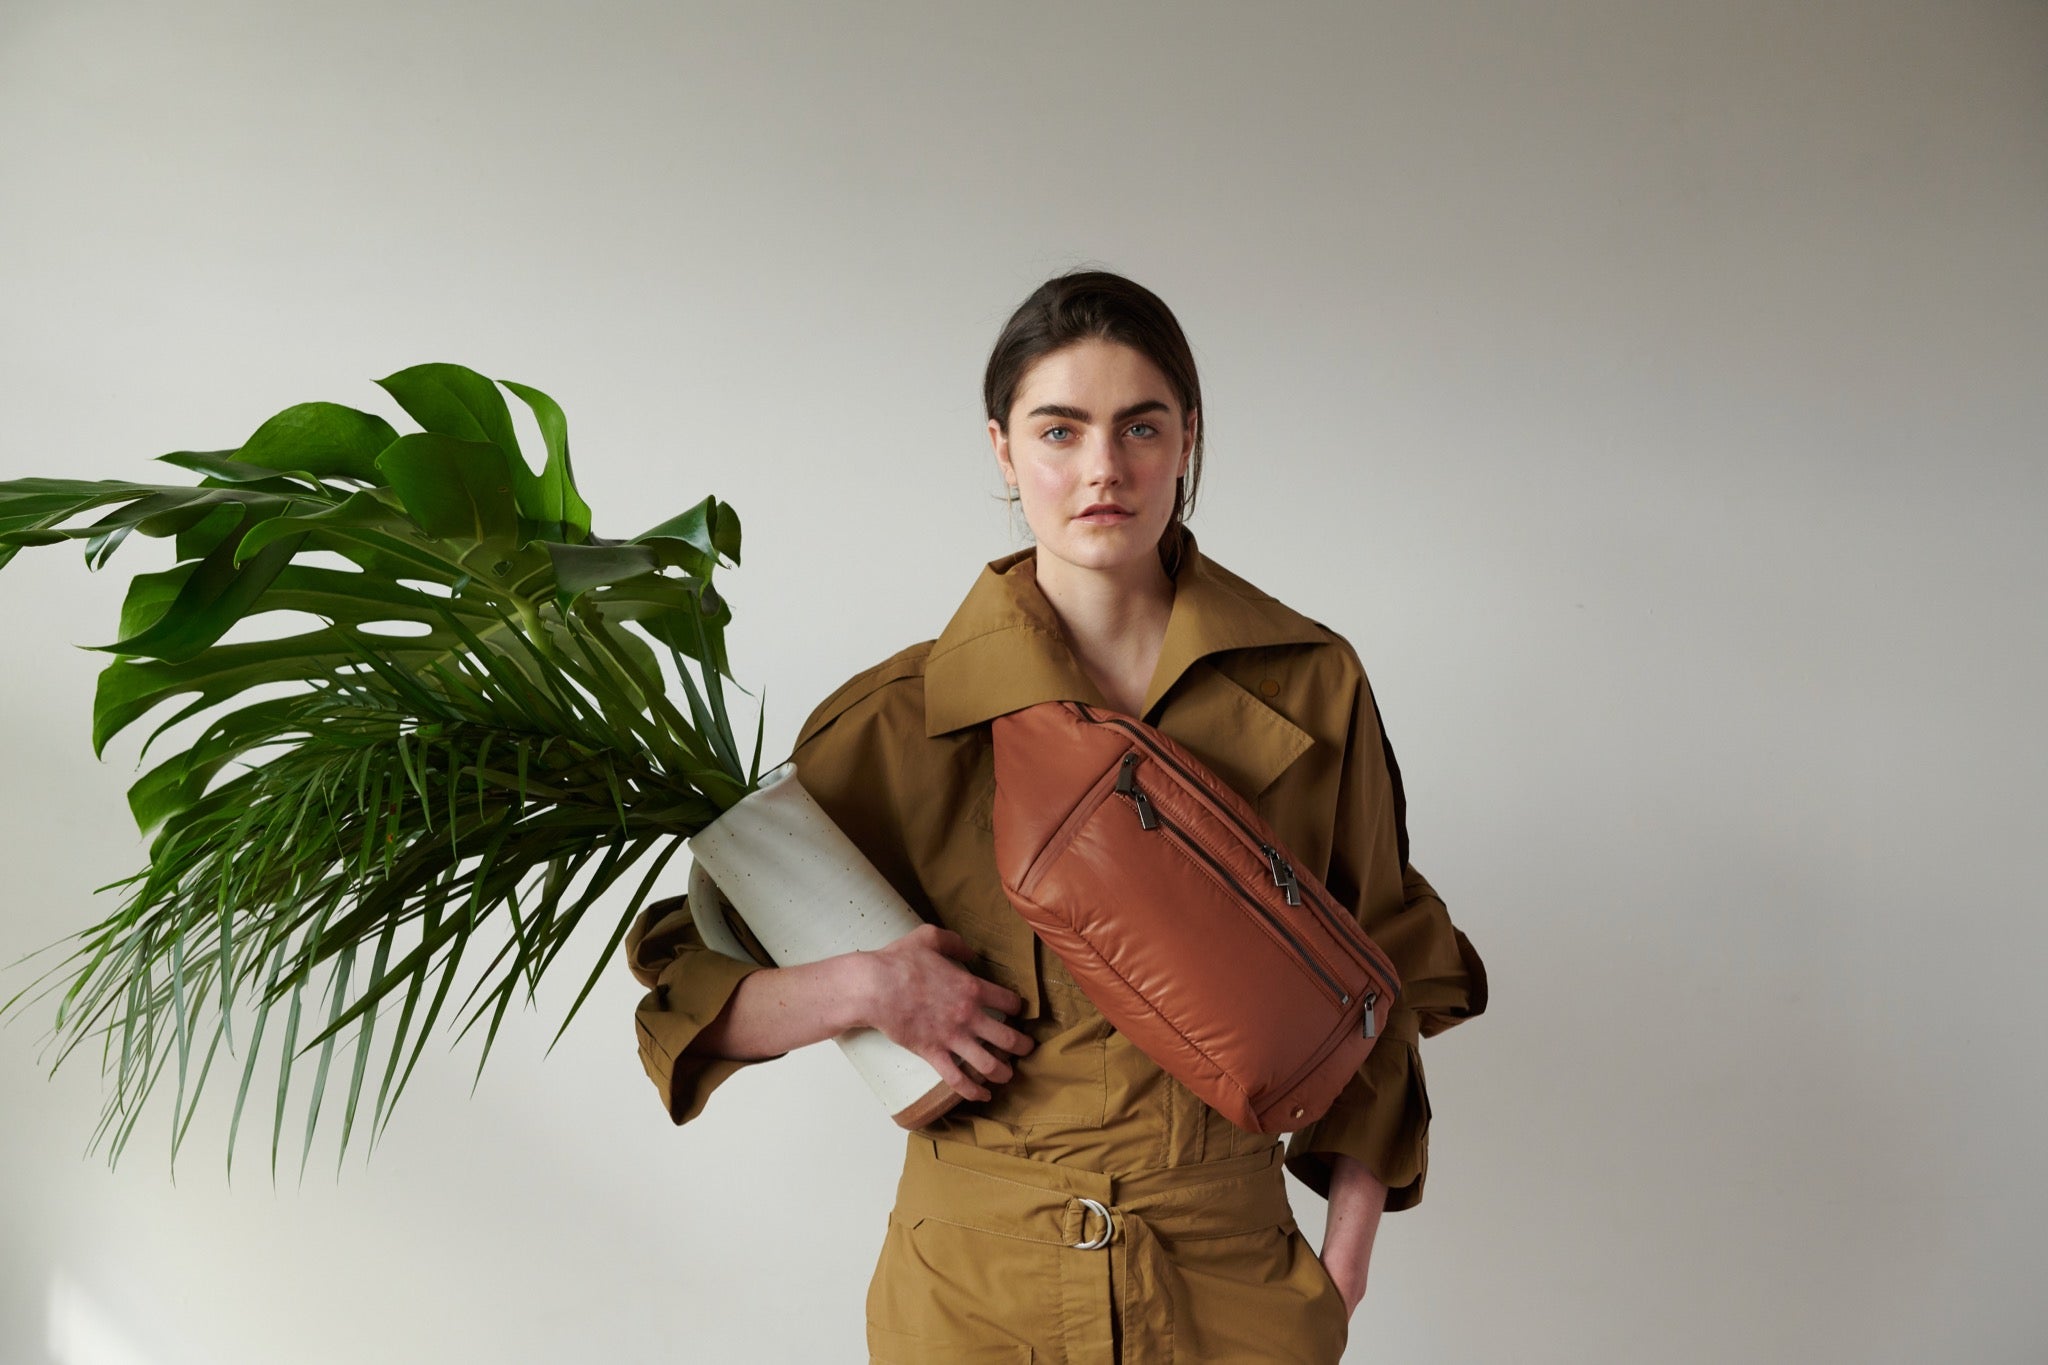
x=1042 y=1201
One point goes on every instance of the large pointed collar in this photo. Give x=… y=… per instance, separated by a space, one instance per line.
x=1004 y=649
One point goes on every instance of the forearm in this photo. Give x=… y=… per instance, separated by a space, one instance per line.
x=1357 y=1199
x=777 y=1009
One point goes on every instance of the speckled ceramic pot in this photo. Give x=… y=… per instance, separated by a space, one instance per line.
x=807 y=893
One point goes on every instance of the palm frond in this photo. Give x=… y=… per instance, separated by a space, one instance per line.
x=334 y=851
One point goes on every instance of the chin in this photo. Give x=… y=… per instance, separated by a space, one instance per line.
x=1106 y=552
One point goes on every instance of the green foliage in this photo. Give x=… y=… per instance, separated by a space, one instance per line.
x=480 y=731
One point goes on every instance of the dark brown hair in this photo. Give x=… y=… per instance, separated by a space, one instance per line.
x=1094 y=304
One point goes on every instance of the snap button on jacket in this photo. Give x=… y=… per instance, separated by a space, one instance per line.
x=900 y=757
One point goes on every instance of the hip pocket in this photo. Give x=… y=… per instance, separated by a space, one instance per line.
x=1328 y=1299
x=1258 y=1296
x=886 y=1347
x=942 y=1292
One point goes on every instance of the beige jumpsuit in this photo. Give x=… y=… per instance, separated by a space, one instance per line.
x=1199 y=1257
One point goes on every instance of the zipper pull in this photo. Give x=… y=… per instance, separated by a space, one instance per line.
x=1372 y=998
x=1147 y=817
x=1127 y=783
x=1283 y=874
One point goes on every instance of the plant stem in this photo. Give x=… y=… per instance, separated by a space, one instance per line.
x=536 y=630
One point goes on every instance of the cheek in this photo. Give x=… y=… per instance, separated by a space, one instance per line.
x=1157 y=480
x=1046 y=480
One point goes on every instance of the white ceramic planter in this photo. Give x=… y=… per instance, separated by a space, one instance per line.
x=807 y=893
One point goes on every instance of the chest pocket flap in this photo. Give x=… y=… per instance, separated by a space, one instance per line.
x=1245 y=741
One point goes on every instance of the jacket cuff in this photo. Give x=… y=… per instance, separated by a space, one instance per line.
x=1381 y=1118
x=687 y=996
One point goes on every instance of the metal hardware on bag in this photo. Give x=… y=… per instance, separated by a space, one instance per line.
x=1108 y=1226
x=1283 y=874
x=1344 y=925
x=1372 y=1000
x=1243 y=892
x=1127 y=783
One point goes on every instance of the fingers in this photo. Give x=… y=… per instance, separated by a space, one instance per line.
x=973 y=1068
x=986 y=1063
x=1001 y=998
x=998 y=1030
x=974 y=1022
x=952 y=944
x=1016 y=1042
x=963 y=1082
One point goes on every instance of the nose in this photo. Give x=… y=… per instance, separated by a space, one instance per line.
x=1105 y=462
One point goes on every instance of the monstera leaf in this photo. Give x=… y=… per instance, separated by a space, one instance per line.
x=479 y=733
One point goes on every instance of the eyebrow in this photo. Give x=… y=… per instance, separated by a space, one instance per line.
x=1076 y=415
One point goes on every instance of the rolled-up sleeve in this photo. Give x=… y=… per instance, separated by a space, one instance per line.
x=844 y=756
x=1382 y=1115
x=1381 y=1118
x=688 y=985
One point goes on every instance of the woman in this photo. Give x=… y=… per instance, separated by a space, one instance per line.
x=992 y=1252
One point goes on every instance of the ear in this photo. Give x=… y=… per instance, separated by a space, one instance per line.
x=1187 y=449
x=1001 y=444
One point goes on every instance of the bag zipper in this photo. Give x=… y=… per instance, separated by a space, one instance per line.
x=1340 y=923
x=1127 y=783
x=1150 y=818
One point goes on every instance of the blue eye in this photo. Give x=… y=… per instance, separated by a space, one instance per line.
x=1051 y=433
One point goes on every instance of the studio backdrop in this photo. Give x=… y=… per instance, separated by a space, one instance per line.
x=1654 y=394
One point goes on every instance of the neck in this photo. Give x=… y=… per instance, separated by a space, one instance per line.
x=1115 y=619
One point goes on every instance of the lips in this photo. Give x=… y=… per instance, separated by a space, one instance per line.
x=1106 y=509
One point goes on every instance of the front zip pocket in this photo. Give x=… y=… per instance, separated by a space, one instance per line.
x=1057 y=845
x=1150 y=818
x=1343 y=925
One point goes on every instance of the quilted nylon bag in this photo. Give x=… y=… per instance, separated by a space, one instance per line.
x=1182 y=917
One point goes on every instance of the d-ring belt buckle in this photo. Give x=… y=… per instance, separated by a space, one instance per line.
x=1108 y=1226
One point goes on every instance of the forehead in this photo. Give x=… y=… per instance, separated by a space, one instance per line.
x=1107 y=372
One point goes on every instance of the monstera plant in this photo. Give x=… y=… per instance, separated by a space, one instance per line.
x=468 y=737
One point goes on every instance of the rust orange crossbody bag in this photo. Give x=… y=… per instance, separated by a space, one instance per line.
x=1182 y=917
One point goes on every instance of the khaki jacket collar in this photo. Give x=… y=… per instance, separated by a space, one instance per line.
x=1004 y=650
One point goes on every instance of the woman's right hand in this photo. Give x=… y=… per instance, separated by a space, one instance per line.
x=924 y=1000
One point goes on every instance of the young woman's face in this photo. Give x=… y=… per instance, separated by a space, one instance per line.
x=1096 y=440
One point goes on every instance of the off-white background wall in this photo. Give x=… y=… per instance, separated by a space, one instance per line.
x=1654 y=392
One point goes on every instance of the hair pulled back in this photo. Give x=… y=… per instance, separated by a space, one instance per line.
x=1084 y=305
